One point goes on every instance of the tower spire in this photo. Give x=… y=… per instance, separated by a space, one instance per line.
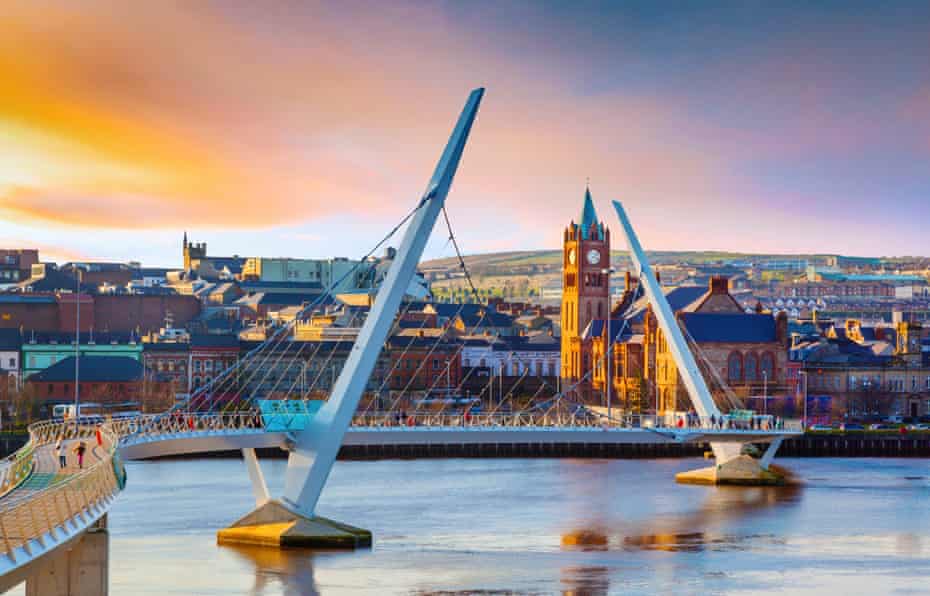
x=588 y=215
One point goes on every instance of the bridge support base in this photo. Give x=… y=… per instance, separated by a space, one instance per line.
x=743 y=470
x=273 y=524
x=81 y=570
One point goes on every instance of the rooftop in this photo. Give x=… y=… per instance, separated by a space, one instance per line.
x=93 y=369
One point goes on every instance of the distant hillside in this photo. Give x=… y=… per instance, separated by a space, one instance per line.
x=551 y=258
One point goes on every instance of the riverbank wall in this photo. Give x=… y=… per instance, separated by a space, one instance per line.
x=812 y=445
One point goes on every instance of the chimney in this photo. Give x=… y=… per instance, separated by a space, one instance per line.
x=781 y=328
x=719 y=284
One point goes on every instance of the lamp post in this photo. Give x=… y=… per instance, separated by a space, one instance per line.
x=607 y=379
x=77 y=350
x=765 y=393
x=803 y=374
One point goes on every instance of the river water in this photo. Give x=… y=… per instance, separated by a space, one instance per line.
x=507 y=526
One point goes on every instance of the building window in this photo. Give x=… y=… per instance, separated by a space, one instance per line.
x=767 y=365
x=436 y=364
x=196 y=365
x=750 y=365
x=735 y=367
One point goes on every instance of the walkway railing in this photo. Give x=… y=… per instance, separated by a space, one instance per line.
x=16 y=468
x=159 y=426
x=46 y=513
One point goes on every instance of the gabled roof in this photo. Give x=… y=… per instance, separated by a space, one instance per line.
x=597 y=328
x=93 y=369
x=491 y=318
x=679 y=298
x=730 y=327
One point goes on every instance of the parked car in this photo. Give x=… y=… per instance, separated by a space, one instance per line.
x=918 y=427
x=851 y=426
x=820 y=427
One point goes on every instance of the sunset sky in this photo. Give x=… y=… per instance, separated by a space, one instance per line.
x=304 y=129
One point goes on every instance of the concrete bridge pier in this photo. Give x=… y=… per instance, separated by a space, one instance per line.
x=81 y=569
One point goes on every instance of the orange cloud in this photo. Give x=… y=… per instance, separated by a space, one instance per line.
x=147 y=117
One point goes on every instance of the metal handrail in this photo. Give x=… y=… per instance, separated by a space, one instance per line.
x=46 y=510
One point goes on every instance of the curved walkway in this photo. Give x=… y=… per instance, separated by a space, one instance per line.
x=53 y=506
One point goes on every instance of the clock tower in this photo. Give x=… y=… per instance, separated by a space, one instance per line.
x=585 y=257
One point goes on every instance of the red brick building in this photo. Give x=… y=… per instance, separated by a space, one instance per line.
x=421 y=364
x=103 y=379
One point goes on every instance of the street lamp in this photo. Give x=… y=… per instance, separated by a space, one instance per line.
x=803 y=374
x=607 y=379
x=765 y=393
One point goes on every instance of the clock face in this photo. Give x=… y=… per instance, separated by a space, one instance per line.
x=571 y=256
x=594 y=256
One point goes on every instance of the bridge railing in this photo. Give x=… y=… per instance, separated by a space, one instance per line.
x=44 y=513
x=155 y=426
x=175 y=423
x=17 y=468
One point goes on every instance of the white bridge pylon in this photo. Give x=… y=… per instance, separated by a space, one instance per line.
x=312 y=458
x=690 y=374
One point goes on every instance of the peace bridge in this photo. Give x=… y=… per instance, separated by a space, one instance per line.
x=53 y=521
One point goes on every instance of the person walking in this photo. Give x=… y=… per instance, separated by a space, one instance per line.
x=62 y=455
x=99 y=436
x=80 y=449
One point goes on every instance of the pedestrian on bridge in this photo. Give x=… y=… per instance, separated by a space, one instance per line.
x=99 y=436
x=79 y=450
x=62 y=455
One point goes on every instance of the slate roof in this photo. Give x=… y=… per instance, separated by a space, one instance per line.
x=10 y=298
x=209 y=340
x=30 y=337
x=276 y=299
x=679 y=298
x=618 y=327
x=10 y=339
x=93 y=369
x=414 y=341
x=280 y=285
x=730 y=327
x=166 y=346
x=53 y=280
x=492 y=318
x=516 y=343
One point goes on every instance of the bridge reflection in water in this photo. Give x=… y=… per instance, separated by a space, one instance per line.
x=701 y=530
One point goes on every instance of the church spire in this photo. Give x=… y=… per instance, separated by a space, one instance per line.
x=588 y=215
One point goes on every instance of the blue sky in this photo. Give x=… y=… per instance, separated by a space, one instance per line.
x=307 y=129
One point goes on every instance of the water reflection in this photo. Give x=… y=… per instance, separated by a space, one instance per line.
x=277 y=568
x=585 y=581
x=705 y=528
